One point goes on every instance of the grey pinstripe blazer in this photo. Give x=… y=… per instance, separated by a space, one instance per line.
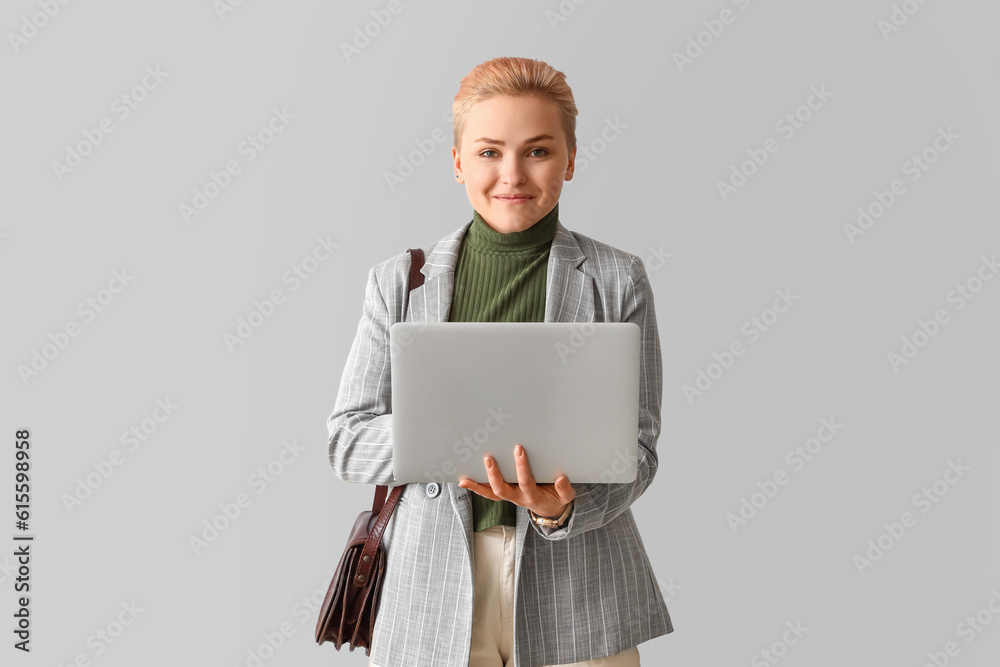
x=584 y=591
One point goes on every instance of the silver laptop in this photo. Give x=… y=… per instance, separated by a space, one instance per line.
x=567 y=391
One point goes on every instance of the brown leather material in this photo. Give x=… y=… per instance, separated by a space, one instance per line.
x=372 y=544
x=379 y=498
x=349 y=608
x=417 y=261
x=351 y=603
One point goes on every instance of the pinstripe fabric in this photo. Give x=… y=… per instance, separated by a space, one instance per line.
x=584 y=591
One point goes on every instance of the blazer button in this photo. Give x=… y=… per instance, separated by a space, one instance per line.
x=433 y=489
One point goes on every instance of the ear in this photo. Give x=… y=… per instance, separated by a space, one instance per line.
x=571 y=166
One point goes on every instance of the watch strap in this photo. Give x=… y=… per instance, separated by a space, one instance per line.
x=546 y=521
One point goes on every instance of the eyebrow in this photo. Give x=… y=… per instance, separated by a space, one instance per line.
x=487 y=140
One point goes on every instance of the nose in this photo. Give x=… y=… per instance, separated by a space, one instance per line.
x=512 y=171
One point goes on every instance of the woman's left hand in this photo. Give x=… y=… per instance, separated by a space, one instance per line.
x=546 y=500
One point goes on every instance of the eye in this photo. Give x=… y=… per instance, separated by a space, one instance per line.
x=488 y=150
x=539 y=149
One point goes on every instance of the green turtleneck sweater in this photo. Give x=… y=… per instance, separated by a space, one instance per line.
x=501 y=278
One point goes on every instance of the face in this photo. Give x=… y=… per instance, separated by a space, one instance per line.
x=513 y=146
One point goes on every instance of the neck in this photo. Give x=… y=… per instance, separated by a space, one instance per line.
x=484 y=237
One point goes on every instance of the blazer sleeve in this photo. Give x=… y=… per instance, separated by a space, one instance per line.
x=360 y=426
x=595 y=505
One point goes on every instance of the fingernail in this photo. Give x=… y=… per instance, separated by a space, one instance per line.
x=520 y=450
x=489 y=463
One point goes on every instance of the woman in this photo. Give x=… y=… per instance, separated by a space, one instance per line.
x=502 y=574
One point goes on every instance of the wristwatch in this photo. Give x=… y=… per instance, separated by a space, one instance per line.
x=545 y=521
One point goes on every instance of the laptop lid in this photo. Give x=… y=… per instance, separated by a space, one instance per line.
x=567 y=391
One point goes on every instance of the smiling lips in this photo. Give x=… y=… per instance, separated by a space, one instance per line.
x=513 y=199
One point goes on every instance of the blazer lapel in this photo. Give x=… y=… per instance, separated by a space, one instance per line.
x=569 y=297
x=569 y=292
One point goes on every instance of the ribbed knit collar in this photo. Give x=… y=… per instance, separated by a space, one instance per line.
x=483 y=237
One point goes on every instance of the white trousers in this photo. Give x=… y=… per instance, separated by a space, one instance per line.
x=493 y=613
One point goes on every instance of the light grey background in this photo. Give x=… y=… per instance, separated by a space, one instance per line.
x=651 y=189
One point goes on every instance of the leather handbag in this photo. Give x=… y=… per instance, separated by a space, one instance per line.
x=352 y=600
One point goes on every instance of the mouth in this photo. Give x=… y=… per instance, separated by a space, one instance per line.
x=514 y=199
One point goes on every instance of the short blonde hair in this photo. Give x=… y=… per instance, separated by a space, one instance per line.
x=514 y=77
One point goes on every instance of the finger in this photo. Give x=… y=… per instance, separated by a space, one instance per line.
x=482 y=489
x=525 y=479
x=500 y=487
x=565 y=489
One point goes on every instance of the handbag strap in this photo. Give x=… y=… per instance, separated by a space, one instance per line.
x=375 y=536
x=380 y=492
x=416 y=263
x=380 y=504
